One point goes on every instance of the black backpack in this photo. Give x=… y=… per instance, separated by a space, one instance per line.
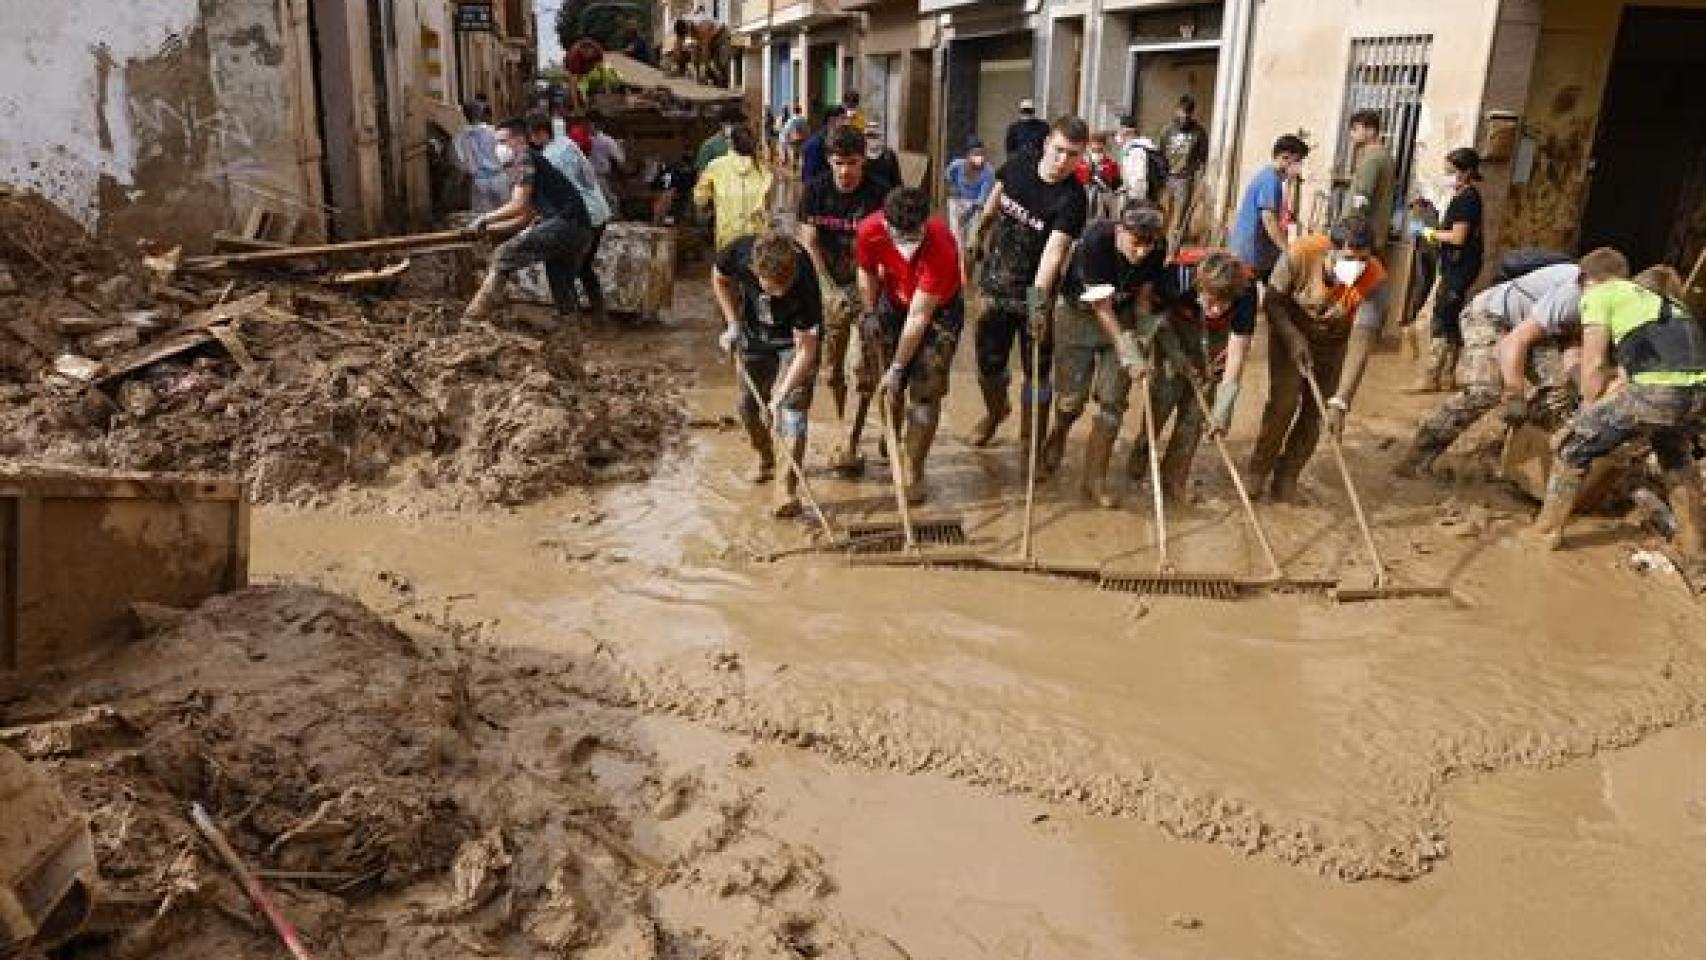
x=1525 y=260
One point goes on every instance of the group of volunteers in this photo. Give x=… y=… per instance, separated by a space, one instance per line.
x=1083 y=275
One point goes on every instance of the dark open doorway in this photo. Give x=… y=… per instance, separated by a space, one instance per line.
x=1649 y=162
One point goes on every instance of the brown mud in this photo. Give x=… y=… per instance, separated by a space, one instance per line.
x=383 y=402
x=1003 y=765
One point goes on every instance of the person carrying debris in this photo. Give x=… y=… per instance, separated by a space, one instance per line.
x=553 y=223
x=738 y=188
x=1513 y=333
x=1661 y=396
x=831 y=209
x=566 y=156
x=1320 y=289
x=1211 y=305
x=1105 y=326
x=773 y=316
x=909 y=283
x=477 y=153
x=1023 y=242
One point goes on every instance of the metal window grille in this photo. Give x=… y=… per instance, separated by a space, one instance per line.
x=1388 y=75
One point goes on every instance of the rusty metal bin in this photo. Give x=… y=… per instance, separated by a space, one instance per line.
x=77 y=548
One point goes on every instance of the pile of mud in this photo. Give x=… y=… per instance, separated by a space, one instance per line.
x=402 y=796
x=117 y=361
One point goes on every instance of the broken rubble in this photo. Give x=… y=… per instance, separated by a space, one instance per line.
x=77 y=368
x=81 y=326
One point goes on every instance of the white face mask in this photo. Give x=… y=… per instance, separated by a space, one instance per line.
x=908 y=248
x=1348 y=272
x=506 y=154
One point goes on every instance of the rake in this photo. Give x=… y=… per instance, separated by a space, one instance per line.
x=884 y=538
x=1382 y=588
x=1165 y=580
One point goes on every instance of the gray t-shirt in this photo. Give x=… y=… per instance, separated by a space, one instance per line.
x=1549 y=295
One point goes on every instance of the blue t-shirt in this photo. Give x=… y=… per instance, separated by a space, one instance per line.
x=964 y=185
x=814 y=157
x=1250 y=241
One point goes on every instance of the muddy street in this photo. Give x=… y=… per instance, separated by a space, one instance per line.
x=995 y=764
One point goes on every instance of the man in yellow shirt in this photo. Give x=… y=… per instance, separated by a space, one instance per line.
x=1661 y=351
x=738 y=188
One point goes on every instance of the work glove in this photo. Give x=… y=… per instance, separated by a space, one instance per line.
x=727 y=339
x=776 y=410
x=1334 y=417
x=1130 y=354
x=1220 y=418
x=1429 y=236
x=894 y=380
x=1037 y=308
x=1516 y=411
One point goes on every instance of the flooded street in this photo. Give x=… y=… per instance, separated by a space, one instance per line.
x=1005 y=765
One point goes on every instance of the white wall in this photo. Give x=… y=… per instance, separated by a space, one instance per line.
x=54 y=93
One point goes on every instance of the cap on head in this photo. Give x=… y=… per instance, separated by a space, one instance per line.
x=1027 y=105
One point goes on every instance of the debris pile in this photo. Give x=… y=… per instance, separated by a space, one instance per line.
x=399 y=795
x=123 y=362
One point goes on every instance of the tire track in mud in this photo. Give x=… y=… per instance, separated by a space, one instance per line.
x=1400 y=838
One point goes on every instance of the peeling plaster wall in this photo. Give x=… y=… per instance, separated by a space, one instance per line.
x=164 y=118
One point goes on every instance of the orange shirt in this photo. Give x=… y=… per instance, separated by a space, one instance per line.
x=1329 y=308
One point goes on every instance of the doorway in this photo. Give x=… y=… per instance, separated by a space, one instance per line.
x=1647 y=197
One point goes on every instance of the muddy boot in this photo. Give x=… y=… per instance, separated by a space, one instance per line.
x=1098 y=450
x=1420 y=457
x=785 y=501
x=766 y=447
x=1284 y=486
x=1561 y=487
x=1176 y=476
x=1433 y=374
x=921 y=422
x=996 y=408
x=488 y=298
x=1054 y=447
x=846 y=461
x=1683 y=489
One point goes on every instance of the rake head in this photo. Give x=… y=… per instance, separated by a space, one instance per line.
x=889 y=537
x=1190 y=585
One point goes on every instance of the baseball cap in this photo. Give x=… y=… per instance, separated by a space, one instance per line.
x=1027 y=105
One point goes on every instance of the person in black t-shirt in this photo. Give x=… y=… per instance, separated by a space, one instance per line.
x=1210 y=303
x=1104 y=327
x=830 y=211
x=1023 y=240
x=1459 y=239
x=551 y=216
x=1026 y=134
x=768 y=294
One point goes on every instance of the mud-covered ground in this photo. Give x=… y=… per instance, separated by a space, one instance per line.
x=980 y=764
x=367 y=399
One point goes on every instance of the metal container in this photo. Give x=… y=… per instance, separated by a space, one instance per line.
x=77 y=548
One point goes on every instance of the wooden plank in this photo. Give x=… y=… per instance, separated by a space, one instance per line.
x=287 y=254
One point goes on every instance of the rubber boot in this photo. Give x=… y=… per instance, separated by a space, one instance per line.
x=488 y=298
x=765 y=444
x=921 y=422
x=1054 y=447
x=1283 y=487
x=1448 y=368
x=1176 y=475
x=847 y=461
x=1432 y=375
x=1683 y=489
x=1420 y=457
x=1561 y=487
x=1098 y=450
x=996 y=408
x=785 y=501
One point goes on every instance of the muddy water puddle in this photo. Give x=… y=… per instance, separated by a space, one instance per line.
x=1300 y=740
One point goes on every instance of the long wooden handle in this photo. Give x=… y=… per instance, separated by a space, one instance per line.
x=1237 y=481
x=285 y=254
x=1036 y=442
x=897 y=469
x=1345 y=473
x=1164 y=563
x=210 y=831
x=787 y=452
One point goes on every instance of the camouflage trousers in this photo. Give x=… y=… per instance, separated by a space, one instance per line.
x=1480 y=382
x=1087 y=364
x=840 y=316
x=927 y=376
x=1669 y=417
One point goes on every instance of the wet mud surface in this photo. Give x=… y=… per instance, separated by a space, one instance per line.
x=1305 y=743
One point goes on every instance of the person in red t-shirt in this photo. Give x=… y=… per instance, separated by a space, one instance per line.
x=909 y=281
